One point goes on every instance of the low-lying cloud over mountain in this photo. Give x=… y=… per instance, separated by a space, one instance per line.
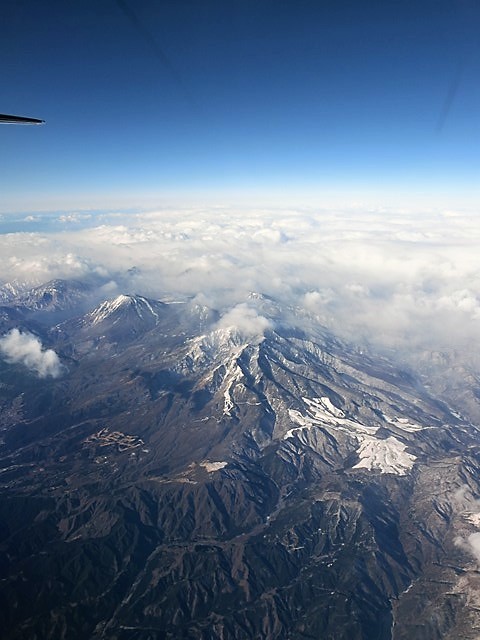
x=407 y=281
x=27 y=349
x=246 y=320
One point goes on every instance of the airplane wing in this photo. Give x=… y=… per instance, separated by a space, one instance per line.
x=6 y=119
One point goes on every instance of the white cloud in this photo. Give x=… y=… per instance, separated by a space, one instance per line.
x=467 y=506
x=245 y=320
x=74 y=217
x=25 y=348
x=471 y=544
x=473 y=541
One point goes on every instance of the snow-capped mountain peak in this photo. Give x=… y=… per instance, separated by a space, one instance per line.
x=125 y=305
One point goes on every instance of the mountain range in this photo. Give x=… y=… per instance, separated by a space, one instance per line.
x=180 y=476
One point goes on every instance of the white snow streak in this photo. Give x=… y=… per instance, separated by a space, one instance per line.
x=213 y=466
x=107 y=308
x=233 y=375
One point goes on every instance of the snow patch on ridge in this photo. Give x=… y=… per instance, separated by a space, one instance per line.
x=210 y=467
x=405 y=424
x=321 y=411
x=386 y=455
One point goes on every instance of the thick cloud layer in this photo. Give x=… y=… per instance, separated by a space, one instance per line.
x=27 y=349
x=401 y=280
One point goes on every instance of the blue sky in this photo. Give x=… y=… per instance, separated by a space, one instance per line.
x=240 y=99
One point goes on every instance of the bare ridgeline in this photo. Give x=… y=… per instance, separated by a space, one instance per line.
x=117 y=439
x=177 y=478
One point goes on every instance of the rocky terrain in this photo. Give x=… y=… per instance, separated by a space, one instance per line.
x=176 y=477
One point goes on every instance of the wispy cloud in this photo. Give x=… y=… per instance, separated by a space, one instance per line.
x=25 y=348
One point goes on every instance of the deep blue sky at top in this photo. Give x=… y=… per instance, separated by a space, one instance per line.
x=235 y=96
